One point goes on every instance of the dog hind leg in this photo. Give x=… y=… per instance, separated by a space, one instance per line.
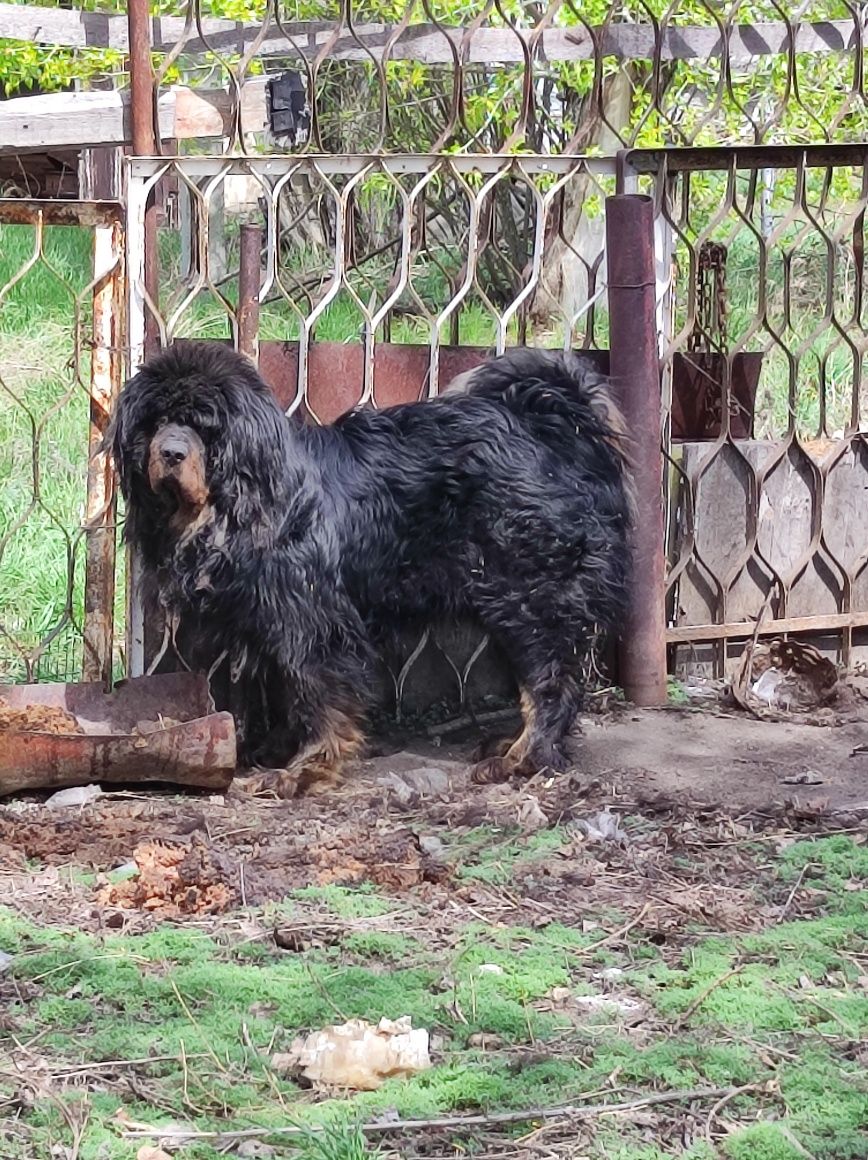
x=552 y=695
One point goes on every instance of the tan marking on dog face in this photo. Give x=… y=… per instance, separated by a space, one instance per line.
x=177 y=464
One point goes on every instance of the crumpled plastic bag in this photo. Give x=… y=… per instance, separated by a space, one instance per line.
x=357 y=1055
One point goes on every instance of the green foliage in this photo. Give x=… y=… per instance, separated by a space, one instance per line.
x=685 y=101
x=761 y=1142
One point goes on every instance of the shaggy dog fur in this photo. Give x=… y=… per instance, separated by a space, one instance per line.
x=289 y=549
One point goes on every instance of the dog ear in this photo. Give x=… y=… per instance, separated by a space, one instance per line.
x=125 y=440
x=250 y=456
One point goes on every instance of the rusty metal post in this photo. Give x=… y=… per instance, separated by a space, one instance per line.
x=635 y=369
x=144 y=138
x=248 y=290
x=106 y=372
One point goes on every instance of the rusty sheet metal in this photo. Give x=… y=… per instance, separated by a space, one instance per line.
x=26 y=211
x=196 y=748
x=336 y=372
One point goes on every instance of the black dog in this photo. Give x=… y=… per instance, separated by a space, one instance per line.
x=287 y=548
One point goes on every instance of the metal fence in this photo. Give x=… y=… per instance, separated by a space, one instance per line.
x=765 y=396
x=375 y=280
x=61 y=338
x=373 y=201
x=543 y=76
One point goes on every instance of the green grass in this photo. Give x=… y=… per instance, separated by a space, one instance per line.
x=202 y=1014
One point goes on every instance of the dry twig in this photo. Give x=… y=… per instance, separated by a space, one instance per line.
x=565 y=1112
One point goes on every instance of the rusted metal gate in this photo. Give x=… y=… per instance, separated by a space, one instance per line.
x=766 y=395
x=62 y=305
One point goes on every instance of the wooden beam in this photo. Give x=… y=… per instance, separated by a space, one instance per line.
x=60 y=212
x=428 y=44
x=58 y=120
x=699 y=633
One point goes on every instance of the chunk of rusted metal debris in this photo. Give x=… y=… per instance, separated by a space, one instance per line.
x=158 y=728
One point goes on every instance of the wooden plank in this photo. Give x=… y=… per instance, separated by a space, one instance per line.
x=427 y=44
x=208 y=112
x=59 y=212
x=698 y=633
x=58 y=120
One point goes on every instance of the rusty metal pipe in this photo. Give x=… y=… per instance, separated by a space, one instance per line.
x=248 y=290
x=635 y=369
x=144 y=139
x=101 y=505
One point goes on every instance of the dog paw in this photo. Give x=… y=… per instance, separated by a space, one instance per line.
x=262 y=781
x=491 y=771
x=491 y=747
x=315 y=776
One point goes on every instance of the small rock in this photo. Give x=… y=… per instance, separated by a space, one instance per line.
x=601 y=827
x=489 y=969
x=559 y=994
x=5 y=961
x=428 y=779
x=255 y=1150
x=77 y=795
x=622 y=1006
x=386 y=1116
x=806 y=777
x=431 y=845
x=530 y=815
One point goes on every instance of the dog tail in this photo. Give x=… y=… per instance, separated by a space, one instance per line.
x=564 y=398
x=558 y=384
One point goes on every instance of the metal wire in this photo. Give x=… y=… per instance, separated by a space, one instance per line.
x=544 y=77
x=61 y=315
x=766 y=357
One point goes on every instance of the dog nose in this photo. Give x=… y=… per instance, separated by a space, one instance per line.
x=172 y=454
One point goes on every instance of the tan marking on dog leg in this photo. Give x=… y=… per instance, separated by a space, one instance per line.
x=500 y=766
x=320 y=765
x=518 y=750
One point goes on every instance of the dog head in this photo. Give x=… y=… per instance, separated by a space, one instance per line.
x=178 y=472
x=197 y=434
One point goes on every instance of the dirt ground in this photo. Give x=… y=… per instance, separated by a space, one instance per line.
x=615 y=904
x=675 y=762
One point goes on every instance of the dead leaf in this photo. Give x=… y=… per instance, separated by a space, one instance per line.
x=148 y=1152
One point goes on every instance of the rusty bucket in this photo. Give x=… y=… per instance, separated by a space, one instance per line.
x=148 y=729
x=698 y=391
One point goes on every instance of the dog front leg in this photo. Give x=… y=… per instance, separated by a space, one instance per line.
x=317 y=730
